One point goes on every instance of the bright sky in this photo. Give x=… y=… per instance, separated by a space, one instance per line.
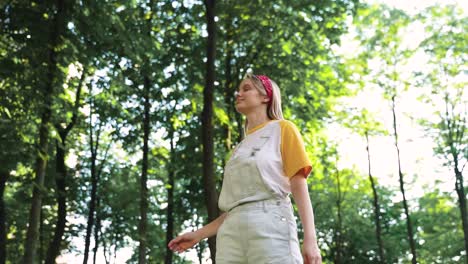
x=416 y=149
x=418 y=162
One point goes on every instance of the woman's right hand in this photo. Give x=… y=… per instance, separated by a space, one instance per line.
x=184 y=242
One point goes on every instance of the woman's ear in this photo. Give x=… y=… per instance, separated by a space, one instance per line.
x=266 y=99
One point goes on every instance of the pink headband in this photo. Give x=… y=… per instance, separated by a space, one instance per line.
x=267 y=84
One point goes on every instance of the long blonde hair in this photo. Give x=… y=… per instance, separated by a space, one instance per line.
x=274 y=111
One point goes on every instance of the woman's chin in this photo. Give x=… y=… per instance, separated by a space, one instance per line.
x=240 y=109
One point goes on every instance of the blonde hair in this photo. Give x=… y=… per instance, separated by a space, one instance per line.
x=274 y=110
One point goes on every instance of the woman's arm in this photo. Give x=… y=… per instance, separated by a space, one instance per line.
x=188 y=240
x=211 y=229
x=300 y=192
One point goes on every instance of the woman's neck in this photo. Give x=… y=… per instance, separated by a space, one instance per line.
x=256 y=119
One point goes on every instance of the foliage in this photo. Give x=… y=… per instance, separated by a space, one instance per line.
x=120 y=46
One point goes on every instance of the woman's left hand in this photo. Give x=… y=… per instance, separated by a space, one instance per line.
x=311 y=252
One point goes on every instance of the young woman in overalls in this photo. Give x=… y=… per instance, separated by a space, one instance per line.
x=258 y=224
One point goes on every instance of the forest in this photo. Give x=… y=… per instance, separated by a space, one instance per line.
x=117 y=118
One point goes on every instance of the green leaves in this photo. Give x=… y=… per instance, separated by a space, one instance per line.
x=287 y=48
x=221 y=116
x=130 y=46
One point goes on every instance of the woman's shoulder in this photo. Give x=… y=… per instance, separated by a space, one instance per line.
x=287 y=124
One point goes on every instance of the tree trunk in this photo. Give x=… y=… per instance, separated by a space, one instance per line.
x=170 y=200
x=3 y=238
x=32 y=234
x=142 y=228
x=61 y=179
x=97 y=229
x=105 y=250
x=460 y=189
x=409 y=225
x=462 y=205
x=378 y=228
x=54 y=247
x=209 y=183
x=41 y=237
x=94 y=181
x=455 y=135
x=339 y=229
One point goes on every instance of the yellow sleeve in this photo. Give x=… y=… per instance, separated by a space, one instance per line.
x=293 y=152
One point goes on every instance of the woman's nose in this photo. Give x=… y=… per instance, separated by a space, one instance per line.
x=236 y=94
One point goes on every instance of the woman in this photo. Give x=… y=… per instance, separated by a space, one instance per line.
x=258 y=224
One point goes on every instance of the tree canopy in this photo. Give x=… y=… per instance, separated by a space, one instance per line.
x=115 y=116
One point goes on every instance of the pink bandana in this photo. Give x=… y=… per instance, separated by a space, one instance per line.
x=267 y=84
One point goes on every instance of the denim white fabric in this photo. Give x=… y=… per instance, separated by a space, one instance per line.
x=259 y=227
x=259 y=232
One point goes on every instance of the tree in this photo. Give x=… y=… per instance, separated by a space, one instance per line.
x=48 y=90
x=61 y=175
x=17 y=130
x=211 y=196
x=366 y=126
x=344 y=232
x=384 y=45
x=95 y=137
x=445 y=91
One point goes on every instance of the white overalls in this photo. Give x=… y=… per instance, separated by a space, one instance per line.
x=259 y=226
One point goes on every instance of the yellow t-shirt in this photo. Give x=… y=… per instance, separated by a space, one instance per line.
x=293 y=154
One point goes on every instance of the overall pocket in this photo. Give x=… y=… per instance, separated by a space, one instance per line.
x=244 y=178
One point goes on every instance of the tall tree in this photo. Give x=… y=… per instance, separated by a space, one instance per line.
x=445 y=81
x=97 y=229
x=340 y=196
x=147 y=84
x=94 y=145
x=61 y=176
x=409 y=224
x=330 y=185
x=19 y=106
x=209 y=183
x=3 y=238
x=377 y=214
x=170 y=196
x=366 y=126
x=96 y=167
x=142 y=230
x=384 y=45
x=50 y=85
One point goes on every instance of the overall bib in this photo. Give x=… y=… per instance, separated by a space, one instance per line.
x=260 y=226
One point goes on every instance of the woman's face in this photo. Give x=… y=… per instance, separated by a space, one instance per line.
x=248 y=97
